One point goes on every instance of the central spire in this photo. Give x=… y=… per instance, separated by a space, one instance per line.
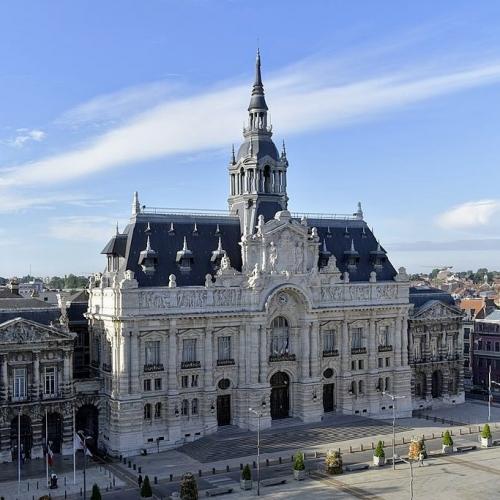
x=258 y=101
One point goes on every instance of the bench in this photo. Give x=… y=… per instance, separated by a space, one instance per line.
x=496 y=442
x=220 y=490
x=275 y=481
x=355 y=467
x=461 y=449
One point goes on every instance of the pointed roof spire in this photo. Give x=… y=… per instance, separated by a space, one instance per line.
x=283 y=150
x=352 y=246
x=233 y=156
x=136 y=206
x=359 y=212
x=148 y=245
x=258 y=76
x=117 y=230
x=257 y=101
x=148 y=229
x=219 y=246
x=184 y=245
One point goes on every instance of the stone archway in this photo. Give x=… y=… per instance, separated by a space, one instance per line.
x=87 y=420
x=26 y=436
x=420 y=385
x=280 y=395
x=437 y=384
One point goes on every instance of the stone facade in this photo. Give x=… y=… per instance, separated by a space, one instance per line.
x=436 y=353
x=36 y=377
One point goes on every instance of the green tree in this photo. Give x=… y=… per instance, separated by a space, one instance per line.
x=447 y=441
x=189 y=488
x=433 y=274
x=96 y=493
x=246 y=473
x=298 y=461
x=486 y=432
x=146 y=490
x=379 y=450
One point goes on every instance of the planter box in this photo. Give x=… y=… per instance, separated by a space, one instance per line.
x=246 y=484
x=299 y=475
x=447 y=450
x=486 y=442
x=378 y=461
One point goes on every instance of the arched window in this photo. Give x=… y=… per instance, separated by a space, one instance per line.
x=147 y=411
x=280 y=337
x=267 y=179
x=242 y=181
x=380 y=385
x=194 y=407
x=158 y=410
x=354 y=387
x=185 y=407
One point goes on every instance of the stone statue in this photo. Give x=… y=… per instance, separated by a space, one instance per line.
x=208 y=280
x=172 y=281
x=254 y=279
x=273 y=256
x=225 y=263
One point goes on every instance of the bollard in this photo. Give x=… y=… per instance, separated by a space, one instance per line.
x=280 y=460
x=315 y=454
x=199 y=472
x=65 y=494
x=213 y=470
x=361 y=447
x=156 y=480
x=129 y=464
x=64 y=480
x=432 y=435
x=350 y=449
x=107 y=488
x=171 y=477
x=403 y=440
x=139 y=470
x=254 y=465
x=81 y=492
x=241 y=466
x=227 y=468
x=267 y=462
x=28 y=486
x=133 y=465
x=373 y=446
x=460 y=430
x=37 y=485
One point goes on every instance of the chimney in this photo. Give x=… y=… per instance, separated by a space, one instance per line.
x=14 y=286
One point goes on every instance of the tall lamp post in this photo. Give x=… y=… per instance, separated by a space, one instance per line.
x=84 y=442
x=394 y=399
x=490 y=396
x=259 y=415
x=411 y=474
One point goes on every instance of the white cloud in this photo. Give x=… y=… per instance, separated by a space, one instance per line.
x=469 y=215
x=86 y=227
x=301 y=98
x=25 y=135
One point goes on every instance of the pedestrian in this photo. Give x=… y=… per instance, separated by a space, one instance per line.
x=421 y=458
x=139 y=480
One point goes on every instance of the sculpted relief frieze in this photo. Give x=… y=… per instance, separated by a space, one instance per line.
x=192 y=298
x=227 y=297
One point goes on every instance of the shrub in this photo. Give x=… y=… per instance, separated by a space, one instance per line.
x=486 y=432
x=447 y=441
x=379 y=450
x=146 y=490
x=333 y=462
x=298 y=461
x=96 y=493
x=246 y=473
x=189 y=488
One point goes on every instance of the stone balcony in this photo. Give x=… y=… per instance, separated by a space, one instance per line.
x=384 y=348
x=275 y=358
x=330 y=353
x=153 y=367
x=190 y=364
x=225 y=362
x=358 y=350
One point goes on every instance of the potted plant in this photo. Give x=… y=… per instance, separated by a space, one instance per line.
x=146 y=491
x=414 y=449
x=447 y=443
x=96 y=493
x=486 y=440
x=379 y=455
x=189 y=488
x=333 y=462
x=299 y=468
x=246 y=478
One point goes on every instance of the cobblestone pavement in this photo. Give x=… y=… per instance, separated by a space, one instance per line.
x=233 y=444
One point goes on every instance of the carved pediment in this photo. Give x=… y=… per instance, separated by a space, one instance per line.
x=437 y=310
x=23 y=331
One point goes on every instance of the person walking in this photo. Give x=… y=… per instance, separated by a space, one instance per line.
x=421 y=458
x=139 y=480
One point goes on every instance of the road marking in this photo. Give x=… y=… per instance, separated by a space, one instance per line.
x=353 y=490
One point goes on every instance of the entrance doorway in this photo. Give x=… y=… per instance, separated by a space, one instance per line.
x=224 y=410
x=280 y=396
x=437 y=384
x=328 y=398
x=26 y=437
x=55 y=428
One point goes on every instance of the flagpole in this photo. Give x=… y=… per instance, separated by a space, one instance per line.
x=19 y=451
x=46 y=448
x=74 y=449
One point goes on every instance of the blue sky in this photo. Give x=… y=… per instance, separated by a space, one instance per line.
x=394 y=104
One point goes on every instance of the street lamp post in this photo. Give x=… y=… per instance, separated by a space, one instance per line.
x=394 y=399
x=490 y=396
x=259 y=415
x=411 y=474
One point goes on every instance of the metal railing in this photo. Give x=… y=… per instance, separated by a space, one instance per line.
x=195 y=212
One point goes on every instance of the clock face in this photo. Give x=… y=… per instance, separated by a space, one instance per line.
x=283 y=298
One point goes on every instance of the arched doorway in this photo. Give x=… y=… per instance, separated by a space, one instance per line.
x=223 y=403
x=437 y=384
x=328 y=391
x=280 y=395
x=87 y=420
x=55 y=430
x=420 y=385
x=26 y=437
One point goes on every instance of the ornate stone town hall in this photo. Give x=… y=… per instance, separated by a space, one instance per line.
x=201 y=316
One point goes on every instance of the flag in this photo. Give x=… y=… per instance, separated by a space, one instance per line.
x=50 y=455
x=78 y=443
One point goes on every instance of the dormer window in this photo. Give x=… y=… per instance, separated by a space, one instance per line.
x=113 y=263
x=184 y=258
x=352 y=258
x=148 y=259
x=217 y=256
x=324 y=255
x=378 y=257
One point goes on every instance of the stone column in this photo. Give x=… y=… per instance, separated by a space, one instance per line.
x=135 y=356
x=263 y=361
x=398 y=336
x=315 y=354
x=372 y=344
x=208 y=366
x=404 y=332
x=306 y=333
x=5 y=381
x=345 y=348
x=35 y=388
x=67 y=386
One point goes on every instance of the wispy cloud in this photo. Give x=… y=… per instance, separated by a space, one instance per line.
x=25 y=135
x=469 y=215
x=302 y=98
x=471 y=245
x=76 y=228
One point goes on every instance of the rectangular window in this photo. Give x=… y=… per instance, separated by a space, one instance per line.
x=385 y=336
x=49 y=381
x=380 y=362
x=189 y=350
x=19 y=383
x=329 y=341
x=147 y=384
x=361 y=364
x=223 y=348
x=194 y=380
x=185 y=381
x=353 y=365
x=480 y=345
x=387 y=362
x=480 y=362
x=488 y=346
x=152 y=352
x=497 y=346
x=157 y=384
x=357 y=338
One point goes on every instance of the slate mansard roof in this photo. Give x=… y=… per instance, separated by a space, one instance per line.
x=14 y=306
x=338 y=235
x=419 y=296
